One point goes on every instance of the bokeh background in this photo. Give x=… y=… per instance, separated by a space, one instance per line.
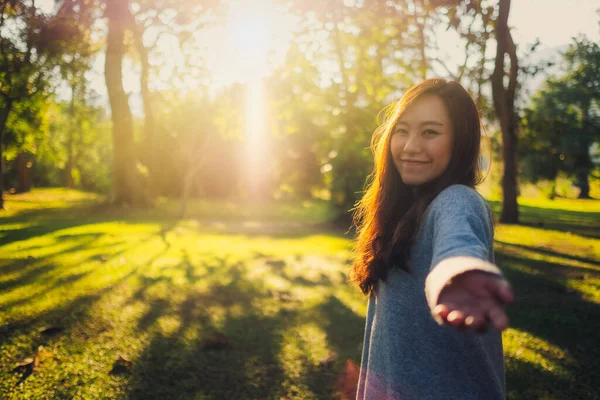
x=177 y=180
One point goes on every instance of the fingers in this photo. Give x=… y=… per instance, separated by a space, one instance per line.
x=440 y=313
x=477 y=324
x=502 y=290
x=469 y=319
x=456 y=318
x=498 y=318
x=444 y=314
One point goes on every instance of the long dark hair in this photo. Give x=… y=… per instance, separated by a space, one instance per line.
x=389 y=214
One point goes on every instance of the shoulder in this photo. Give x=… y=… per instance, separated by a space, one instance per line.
x=459 y=194
x=460 y=199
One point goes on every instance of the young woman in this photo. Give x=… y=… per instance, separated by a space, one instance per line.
x=424 y=255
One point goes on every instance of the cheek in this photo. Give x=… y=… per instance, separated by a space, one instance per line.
x=395 y=145
x=443 y=152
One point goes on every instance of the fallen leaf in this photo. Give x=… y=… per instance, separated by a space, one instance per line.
x=216 y=341
x=31 y=364
x=122 y=365
x=24 y=363
x=42 y=353
x=50 y=330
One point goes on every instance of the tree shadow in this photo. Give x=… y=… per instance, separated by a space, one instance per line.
x=175 y=364
x=581 y=223
x=548 y=309
x=519 y=375
x=182 y=365
x=44 y=221
x=27 y=275
x=553 y=253
x=345 y=334
x=63 y=320
x=43 y=270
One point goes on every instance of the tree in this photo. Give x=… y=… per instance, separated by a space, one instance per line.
x=504 y=104
x=547 y=126
x=75 y=62
x=31 y=46
x=583 y=80
x=187 y=18
x=563 y=120
x=127 y=186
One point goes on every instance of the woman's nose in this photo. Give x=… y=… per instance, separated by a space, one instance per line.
x=412 y=144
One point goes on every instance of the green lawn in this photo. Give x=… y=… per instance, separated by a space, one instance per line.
x=252 y=302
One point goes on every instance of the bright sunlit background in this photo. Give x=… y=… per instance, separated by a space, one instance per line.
x=256 y=36
x=192 y=240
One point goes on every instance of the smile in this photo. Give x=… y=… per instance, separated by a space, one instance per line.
x=413 y=162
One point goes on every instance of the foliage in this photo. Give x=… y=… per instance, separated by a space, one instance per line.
x=563 y=119
x=32 y=46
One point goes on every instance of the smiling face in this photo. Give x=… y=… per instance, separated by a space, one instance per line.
x=421 y=142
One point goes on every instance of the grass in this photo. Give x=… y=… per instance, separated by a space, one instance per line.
x=91 y=284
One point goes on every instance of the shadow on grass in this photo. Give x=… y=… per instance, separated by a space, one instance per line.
x=41 y=271
x=41 y=222
x=183 y=365
x=552 y=253
x=519 y=375
x=62 y=320
x=345 y=331
x=548 y=309
x=582 y=223
x=177 y=364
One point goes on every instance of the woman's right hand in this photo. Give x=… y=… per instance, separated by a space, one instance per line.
x=474 y=299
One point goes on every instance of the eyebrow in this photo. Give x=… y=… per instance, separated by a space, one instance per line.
x=432 y=122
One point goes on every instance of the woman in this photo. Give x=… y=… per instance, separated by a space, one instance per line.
x=424 y=255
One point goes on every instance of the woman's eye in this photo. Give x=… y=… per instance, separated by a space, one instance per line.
x=401 y=131
x=430 y=132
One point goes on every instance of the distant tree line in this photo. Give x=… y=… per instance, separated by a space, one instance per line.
x=320 y=119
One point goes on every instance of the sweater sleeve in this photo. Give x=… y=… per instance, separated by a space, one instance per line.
x=462 y=238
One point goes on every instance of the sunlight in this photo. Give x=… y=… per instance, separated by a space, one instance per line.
x=253 y=41
x=256 y=138
x=248 y=39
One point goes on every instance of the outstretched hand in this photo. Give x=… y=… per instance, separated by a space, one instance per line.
x=473 y=299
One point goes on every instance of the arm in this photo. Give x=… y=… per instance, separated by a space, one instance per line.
x=464 y=289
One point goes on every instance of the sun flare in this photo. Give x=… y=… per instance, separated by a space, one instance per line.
x=253 y=40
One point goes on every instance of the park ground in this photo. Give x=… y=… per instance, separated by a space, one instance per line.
x=239 y=302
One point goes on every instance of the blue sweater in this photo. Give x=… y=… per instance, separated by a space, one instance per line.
x=406 y=354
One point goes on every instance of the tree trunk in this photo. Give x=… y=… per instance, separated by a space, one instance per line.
x=3 y=119
x=149 y=117
x=583 y=184
x=1 y=169
x=584 y=163
x=582 y=169
x=126 y=184
x=504 y=104
x=23 y=173
x=69 y=182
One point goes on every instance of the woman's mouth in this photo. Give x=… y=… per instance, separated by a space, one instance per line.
x=413 y=162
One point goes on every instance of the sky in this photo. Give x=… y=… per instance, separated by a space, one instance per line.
x=257 y=25
x=554 y=21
